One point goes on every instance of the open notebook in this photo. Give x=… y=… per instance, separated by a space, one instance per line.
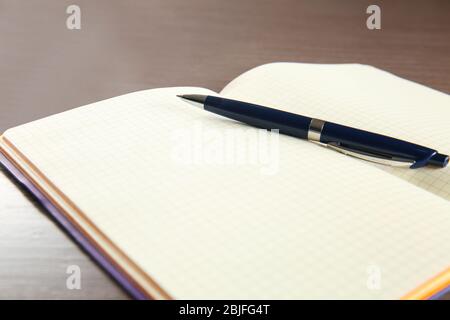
x=307 y=223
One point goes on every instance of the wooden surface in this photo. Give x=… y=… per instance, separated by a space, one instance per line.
x=125 y=46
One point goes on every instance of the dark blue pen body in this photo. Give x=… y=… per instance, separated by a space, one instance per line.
x=346 y=137
x=258 y=116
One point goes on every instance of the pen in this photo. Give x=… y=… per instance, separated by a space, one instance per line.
x=350 y=141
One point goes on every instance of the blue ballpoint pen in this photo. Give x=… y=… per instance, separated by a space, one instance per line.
x=351 y=141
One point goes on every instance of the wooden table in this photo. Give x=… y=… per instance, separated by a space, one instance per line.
x=125 y=46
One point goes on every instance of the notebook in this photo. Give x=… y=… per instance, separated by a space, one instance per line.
x=179 y=203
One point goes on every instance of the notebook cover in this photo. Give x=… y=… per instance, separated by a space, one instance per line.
x=72 y=231
x=89 y=247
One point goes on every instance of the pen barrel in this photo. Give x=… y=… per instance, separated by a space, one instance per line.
x=295 y=125
x=380 y=145
x=258 y=116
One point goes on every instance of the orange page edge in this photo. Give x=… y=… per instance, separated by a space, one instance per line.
x=155 y=292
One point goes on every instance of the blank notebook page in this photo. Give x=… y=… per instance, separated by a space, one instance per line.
x=312 y=227
x=361 y=96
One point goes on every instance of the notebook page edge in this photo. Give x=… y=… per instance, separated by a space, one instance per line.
x=82 y=223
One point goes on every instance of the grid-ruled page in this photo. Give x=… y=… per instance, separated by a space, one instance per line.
x=299 y=222
x=360 y=96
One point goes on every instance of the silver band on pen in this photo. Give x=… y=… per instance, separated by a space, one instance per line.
x=315 y=129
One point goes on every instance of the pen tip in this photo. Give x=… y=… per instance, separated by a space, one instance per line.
x=196 y=99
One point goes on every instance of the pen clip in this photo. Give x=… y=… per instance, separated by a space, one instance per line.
x=368 y=157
